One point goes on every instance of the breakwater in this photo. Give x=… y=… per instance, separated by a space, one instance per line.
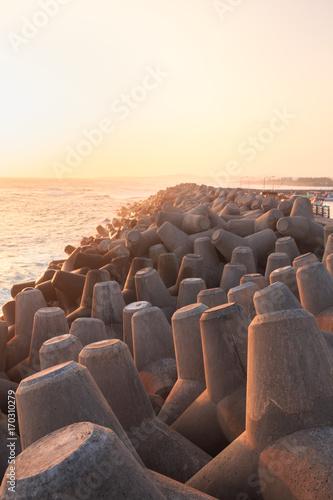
x=183 y=351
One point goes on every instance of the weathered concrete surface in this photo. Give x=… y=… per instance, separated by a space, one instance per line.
x=82 y=460
x=190 y=366
x=160 y=448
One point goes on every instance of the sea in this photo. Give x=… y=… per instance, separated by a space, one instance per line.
x=39 y=217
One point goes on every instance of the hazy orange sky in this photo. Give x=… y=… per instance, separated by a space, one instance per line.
x=156 y=87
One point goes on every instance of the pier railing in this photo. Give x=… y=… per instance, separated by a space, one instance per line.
x=322 y=210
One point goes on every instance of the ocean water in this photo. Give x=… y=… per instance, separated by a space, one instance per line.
x=39 y=217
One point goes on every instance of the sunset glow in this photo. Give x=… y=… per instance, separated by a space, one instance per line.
x=153 y=87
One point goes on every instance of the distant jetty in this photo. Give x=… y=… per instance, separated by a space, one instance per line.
x=183 y=351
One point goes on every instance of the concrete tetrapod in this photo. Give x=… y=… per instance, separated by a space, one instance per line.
x=276 y=261
x=289 y=389
x=68 y=264
x=329 y=264
x=139 y=242
x=48 y=322
x=328 y=229
x=27 y=303
x=298 y=361
x=298 y=466
x=268 y=220
x=189 y=289
x=224 y=342
x=88 y=257
x=248 y=200
x=19 y=287
x=70 y=284
x=128 y=312
x=276 y=297
x=84 y=311
x=230 y=209
x=3 y=345
x=114 y=253
x=60 y=396
x=232 y=194
x=113 y=243
x=11 y=333
x=193 y=223
x=212 y=297
x=137 y=263
x=304 y=259
x=174 y=490
x=226 y=242
x=174 y=239
x=241 y=226
x=59 y=350
x=159 y=447
x=269 y=203
x=118 y=270
x=244 y=255
x=261 y=243
x=302 y=207
x=46 y=276
x=9 y=449
x=190 y=367
x=286 y=275
x=212 y=266
x=82 y=460
x=48 y=291
x=5 y=386
x=192 y=266
x=243 y=295
x=299 y=460
x=216 y=221
x=189 y=223
x=253 y=214
x=231 y=276
x=304 y=231
x=168 y=268
x=150 y=288
x=243 y=209
x=315 y=286
x=286 y=206
x=154 y=353
x=256 y=278
x=287 y=245
x=8 y=311
x=88 y=330
x=328 y=248
x=250 y=214
x=107 y=305
x=155 y=251
x=178 y=242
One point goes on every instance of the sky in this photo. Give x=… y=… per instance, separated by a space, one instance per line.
x=150 y=87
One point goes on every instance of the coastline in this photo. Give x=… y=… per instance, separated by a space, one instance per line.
x=144 y=301
x=36 y=237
